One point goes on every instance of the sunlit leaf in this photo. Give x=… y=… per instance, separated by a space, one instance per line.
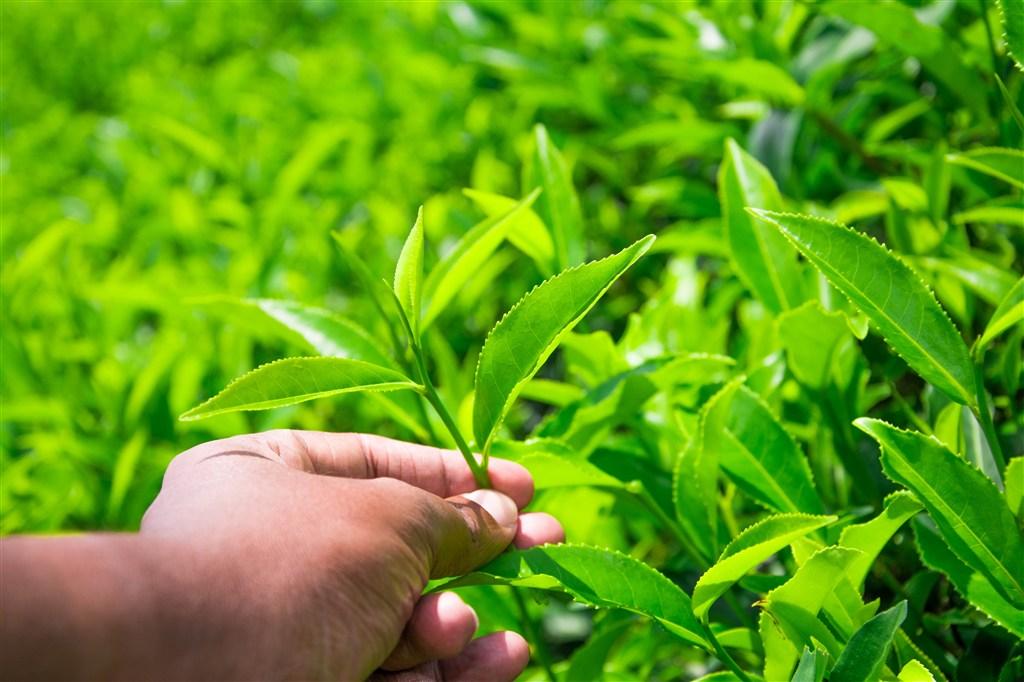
x=1009 y=312
x=409 y=272
x=998 y=162
x=559 y=207
x=527 y=232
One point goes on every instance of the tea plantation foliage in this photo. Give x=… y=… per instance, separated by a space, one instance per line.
x=780 y=449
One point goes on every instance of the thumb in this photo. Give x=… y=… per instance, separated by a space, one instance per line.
x=474 y=528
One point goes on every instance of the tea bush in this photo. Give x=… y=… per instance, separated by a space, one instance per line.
x=784 y=437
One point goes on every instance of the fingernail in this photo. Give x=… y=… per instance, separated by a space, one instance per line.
x=501 y=507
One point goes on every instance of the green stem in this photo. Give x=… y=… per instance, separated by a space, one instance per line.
x=543 y=655
x=724 y=656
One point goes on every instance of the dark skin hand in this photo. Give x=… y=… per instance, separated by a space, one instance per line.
x=281 y=555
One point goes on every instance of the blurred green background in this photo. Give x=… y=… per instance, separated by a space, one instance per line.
x=156 y=153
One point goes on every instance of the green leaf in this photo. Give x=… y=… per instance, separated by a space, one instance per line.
x=989 y=282
x=559 y=207
x=1011 y=13
x=527 y=232
x=1015 y=487
x=872 y=536
x=528 y=333
x=811 y=336
x=789 y=619
x=553 y=465
x=763 y=259
x=999 y=162
x=596 y=577
x=762 y=458
x=465 y=261
x=893 y=297
x=1009 y=312
x=409 y=272
x=914 y=671
x=972 y=585
x=865 y=653
x=296 y=380
x=751 y=547
x=695 y=478
x=964 y=503
x=812 y=666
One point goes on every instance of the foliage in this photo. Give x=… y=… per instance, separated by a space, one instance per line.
x=789 y=431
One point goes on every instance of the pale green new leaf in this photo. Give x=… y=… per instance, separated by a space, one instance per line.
x=762 y=458
x=524 y=338
x=789 y=619
x=1011 y=13
x=553 y=465
x=559 y=207
x=865 y=653
x=409 y=272
x=972 y=585
x=750 y=548
x=1009 y=312
x=964 y=503
x=467 y=258
x=527 y=233
x=763 y=259
x=914 y=671
x=871 y=536
x=593 y=576
x=999 y=162
x=893 y=297
x=810 y=336
x=296 y=380
x=1015 y=487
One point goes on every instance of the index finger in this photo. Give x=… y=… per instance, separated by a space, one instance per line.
x=358 y=455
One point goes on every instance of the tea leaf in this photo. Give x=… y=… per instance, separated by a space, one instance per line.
x=870 y=537
x=790 y=616
x=763 y=459
x=296 y=380
x=750 y=548
x=527 y=232
x=812 y=666
x=964 y=503
x=812 y=361
x=553 y=465
x=593 y=576
x=559 y=207
x=409 y=272
x=892 y=296
x=1009 y=312
x=763 y=259
x=528 y=333
x=1011 y=14
x=914 y=671
x=464 y=261
x=865 y=653
x=972 y=585
x=1015 y=487
x=1005 y=164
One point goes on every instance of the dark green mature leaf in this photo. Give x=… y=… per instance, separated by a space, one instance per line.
x=1009 y=312
x=409 y=272
x=296 y=380
x=790 y=616
x=559 y=207
x=865 y=653
x=871 y=536
x=1011 y=13
x=999 y=162
x=964 y=503
x=763 y=459
x=763 y=258
x=593 y=576
x=527 y=233
x=897 y=25
x=467 y=258
x=972 y=585
x=892 y=296
x=528 y=333
x=750 y=548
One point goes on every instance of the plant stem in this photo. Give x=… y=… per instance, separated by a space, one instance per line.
x=543 y=655
x=724 y=656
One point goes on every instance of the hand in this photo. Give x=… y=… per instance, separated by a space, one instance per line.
x=318 y=546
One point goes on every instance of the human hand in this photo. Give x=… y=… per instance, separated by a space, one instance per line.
x=317 y=547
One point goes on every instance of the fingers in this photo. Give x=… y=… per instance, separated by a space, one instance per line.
x=354 y=455
x=499 y=658
x=538 y=528
x=441 y=626
x=469 y=530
